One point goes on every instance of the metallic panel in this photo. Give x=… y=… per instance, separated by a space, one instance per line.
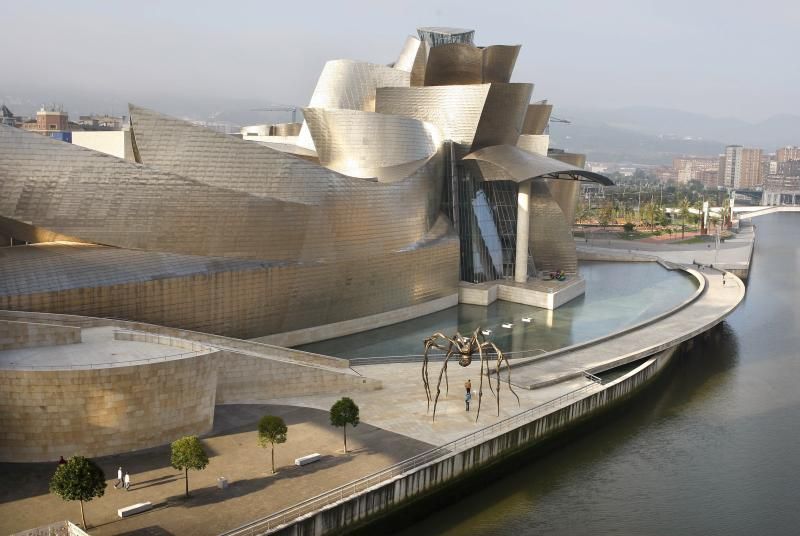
x=405 y=60
x=98 y=198
x=367 y=144
x=507 y=162
x=441 y=35
x=351 y=85
x=502 y=116
x=473 y=115
x=455 y=110
x=285 y=129
x=551 y=242
x=566 y=193
x=498 y=63
x=534 y=143
x=350 y=216
x=537 y=118
x=414 y=58
x=454 y=64
x=574 y=159
x=232 y=297
x=217 y=159
x=457 y=64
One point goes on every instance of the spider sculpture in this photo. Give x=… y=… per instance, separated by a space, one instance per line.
x=465 y=348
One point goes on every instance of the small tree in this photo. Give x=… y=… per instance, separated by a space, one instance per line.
x=271 y=430
x=344 y=412
x=80 y=479
x=684 y=212
x=188 y=453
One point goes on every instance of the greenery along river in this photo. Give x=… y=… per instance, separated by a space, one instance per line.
x=713 y=447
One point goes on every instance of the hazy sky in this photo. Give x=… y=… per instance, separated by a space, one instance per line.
x=723 y=58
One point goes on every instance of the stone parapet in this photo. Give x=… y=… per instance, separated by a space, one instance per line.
x=97 y=412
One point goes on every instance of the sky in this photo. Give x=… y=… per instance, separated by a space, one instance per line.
x=721 y=58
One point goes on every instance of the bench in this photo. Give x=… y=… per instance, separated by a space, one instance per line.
x=134 y=509
x=310 y=458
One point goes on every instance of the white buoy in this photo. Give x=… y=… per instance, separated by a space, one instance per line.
x=508 y=325
x=526 y=319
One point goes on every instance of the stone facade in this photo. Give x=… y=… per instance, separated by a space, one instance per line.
x=97 y=412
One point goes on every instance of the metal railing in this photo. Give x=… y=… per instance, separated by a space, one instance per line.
x=282 y=517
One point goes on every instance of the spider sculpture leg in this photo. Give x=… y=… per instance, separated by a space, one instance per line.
x=446 y=380
x=502 y=358
x=438 y=385
x=430 y=342
x=480 y=384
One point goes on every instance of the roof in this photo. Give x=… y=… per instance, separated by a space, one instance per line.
x=507 y=162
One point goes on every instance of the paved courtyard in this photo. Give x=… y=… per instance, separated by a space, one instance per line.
x=234 y=453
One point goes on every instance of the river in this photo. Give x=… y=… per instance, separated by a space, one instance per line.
x=712 y=447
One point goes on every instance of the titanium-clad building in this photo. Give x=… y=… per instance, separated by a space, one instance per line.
x=405 y=180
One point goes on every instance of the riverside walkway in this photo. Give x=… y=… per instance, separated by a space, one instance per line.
x=713 y=303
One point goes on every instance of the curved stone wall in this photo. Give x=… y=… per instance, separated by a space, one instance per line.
x=97 y=412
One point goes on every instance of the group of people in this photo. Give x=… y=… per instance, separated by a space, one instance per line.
x=123 y=481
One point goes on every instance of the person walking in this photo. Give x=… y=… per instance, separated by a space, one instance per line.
x=723 y=279
x=127 y=482
x=118 y=484
x=468 y=395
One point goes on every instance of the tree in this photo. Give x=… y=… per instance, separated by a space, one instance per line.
x=344 y=412
x=80 y=479
x=684 y=212
x=188 y=453
x=271 y=430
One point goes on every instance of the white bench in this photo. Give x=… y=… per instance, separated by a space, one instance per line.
x=134 y=509
x=310 y=458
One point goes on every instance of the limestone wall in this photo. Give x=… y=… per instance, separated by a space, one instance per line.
x=247 y=379
x=30 y=335
x=96 y=412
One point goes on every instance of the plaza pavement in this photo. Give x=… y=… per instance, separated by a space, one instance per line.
x=234 y=453
x=97 y=346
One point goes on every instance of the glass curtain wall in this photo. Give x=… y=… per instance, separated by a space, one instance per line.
x=485 y=215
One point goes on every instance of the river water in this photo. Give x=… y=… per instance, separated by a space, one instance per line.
x=713 y=447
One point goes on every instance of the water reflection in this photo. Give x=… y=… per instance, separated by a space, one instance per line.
x=617 y=295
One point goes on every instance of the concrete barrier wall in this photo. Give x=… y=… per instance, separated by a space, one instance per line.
x=32 y=335
x=245 y=379
x=97 y=412
x=380 y=500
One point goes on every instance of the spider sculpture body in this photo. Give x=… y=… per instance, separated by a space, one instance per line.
x=465 y=348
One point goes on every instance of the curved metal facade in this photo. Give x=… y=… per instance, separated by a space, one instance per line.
x=537 y=118
x=214 y=233
x=351 y=85
x=371 y=145
x=460 y=64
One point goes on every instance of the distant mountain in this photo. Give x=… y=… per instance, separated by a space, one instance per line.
x=655 y=135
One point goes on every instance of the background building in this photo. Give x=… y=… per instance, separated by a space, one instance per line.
x=702 y=169
x=742 y=167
